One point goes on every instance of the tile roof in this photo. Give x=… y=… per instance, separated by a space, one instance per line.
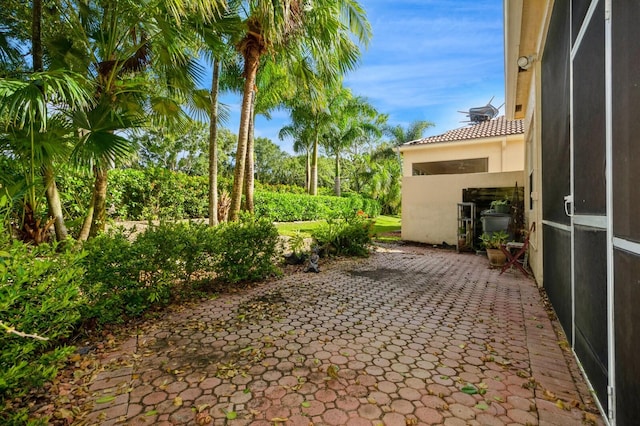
x=497 y=127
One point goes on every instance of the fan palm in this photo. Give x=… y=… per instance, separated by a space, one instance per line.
x=141 y=54
x=35 y=139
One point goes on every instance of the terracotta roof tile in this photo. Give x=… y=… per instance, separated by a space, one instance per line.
x=492 y=128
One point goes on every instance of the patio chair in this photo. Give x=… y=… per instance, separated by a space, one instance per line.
x=519 y=259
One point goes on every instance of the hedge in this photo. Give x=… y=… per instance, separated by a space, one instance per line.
x=280 y=207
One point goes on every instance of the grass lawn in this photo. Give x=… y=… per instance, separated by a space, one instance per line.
x=382 y=225
x=305 y=228
x=385 y=225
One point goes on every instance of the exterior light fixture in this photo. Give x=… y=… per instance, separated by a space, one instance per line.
x=525 y=62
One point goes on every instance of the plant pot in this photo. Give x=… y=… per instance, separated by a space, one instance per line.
x=496 y=257
x=502 y=208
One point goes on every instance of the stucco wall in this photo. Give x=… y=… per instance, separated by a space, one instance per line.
x=505 y=154
x=429 y=203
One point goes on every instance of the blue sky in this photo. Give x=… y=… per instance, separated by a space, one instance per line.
x=427 y=60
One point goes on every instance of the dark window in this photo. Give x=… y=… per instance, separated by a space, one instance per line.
x=454 y=167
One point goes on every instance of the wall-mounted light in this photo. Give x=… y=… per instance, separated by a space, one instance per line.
x=525 y=62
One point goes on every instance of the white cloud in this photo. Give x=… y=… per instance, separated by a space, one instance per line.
x=427 y=60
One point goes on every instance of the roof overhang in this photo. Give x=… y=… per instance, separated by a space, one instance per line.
x=525 y=29
x=512 y=27
x=464 y=142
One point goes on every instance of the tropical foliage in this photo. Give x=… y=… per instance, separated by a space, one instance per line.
x=107 y=112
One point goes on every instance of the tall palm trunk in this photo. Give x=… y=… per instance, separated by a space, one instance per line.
x=54 y=203
x=99 y=201
x=314 y=168
x=252 y=59
x=250 y=163
x=307 y=169
x=213 y=146
x=36 y=35
x=337 y=178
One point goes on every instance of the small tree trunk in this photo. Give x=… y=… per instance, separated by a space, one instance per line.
x=99 y=201
x=251 y=68
x=88 y=219
x=54 y=203
x=213 y=146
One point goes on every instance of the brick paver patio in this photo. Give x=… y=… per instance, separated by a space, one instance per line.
x=409 y=336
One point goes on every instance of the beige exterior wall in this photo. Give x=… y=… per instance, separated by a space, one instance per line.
x=523 y=89
x=506 y=154
x=429 y=203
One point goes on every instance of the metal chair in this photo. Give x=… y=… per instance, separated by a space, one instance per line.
x=522 y=248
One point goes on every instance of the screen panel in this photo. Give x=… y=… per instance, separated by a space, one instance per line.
x=557 y=273
x=555 y=115
x=627 y=336
x=626 y=125
x=589 y=120
x=591 y=344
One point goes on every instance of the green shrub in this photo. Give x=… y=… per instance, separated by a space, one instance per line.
x=113 y=281
x=281 y=207
x=156 y=193
x=247 y=250
x=126 y=278
x=350 y=237
x=39 y=295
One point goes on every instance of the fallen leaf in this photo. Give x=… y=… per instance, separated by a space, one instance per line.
x=305 y=404
x=482 y=406
x=332 y=371
x=231 y=415
x=151 y=413
x=105 y=399
x=469 y=389
x=65 y=414
x=200 y=408
x=203 y=419
x=590 y=418
x=177 y=401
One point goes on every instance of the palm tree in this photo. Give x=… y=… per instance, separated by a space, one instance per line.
x=142 y=60
x=31 y=137
x=215 y=37
x=313 y=118
x=352 y=122
x=383 y=177
x=415 y=130
x=302 y=143
x=273 y=85
x=319 y=31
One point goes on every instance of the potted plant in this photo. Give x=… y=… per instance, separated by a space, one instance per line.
x=500 y=206
x=492 y=243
